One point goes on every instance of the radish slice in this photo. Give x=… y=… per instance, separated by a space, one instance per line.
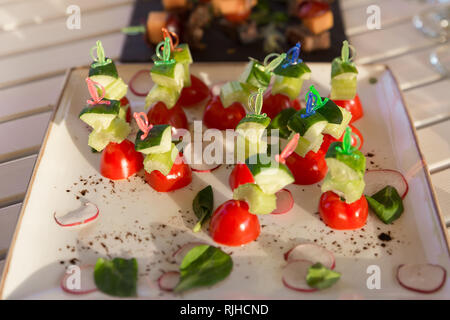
x=423 y=278
x=378 y=179
x=193 y=155
x=294 y=275
x=169 y=280
x=180 y=253
x=285 y=201
x=86 y=284
x=204 y=167
x=311 y=252
x=86 y=213
x=133 y=79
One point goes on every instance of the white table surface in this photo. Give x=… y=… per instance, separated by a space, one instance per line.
x=37 y=48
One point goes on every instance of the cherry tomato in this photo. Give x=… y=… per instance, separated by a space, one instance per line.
x=358 y=133
x=353 y=106
x=273 y=104
x=241 y=174
x=179 y=176
x=311 y=9
x=216 y=116
x=120 y=160
x=125 y=102
x=238 y=17
x=194 y=94
x=338 y=214
x=232 y=224
x=175 y=116
x=327 y=139
x=309 y=169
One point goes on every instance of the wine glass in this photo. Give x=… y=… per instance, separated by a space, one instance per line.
x=440 y=59
x=434 y=22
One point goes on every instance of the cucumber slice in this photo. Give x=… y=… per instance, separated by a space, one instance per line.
x=358 y=164
x=184 y=56
x=350 y=190
x=290 y=87
x=343 y=86
x=245 y=148
x=289 y=80
x=255 y=75
x=115 y=88
x=310 y=127
x=117 y=132
x=108 y=69
x=339 y=67
x=123 y=112
x=258 y=201
x=299 y=70
x=337 y=130
x=168 y=75
x=235 y=91
x=187 y=76
x=100 y=116
x=162 y=161
x=252 y=126
x=270 y=175
x=305 y=145
x=158 y=140
x=280 y=122
x=331 y=112
x=164 y=94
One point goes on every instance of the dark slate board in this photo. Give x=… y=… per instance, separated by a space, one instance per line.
x=136 y=48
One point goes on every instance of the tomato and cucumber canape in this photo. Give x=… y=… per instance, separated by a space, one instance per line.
x=343 y=206
x=343 y=83
x=165 y=168
x=171 y=74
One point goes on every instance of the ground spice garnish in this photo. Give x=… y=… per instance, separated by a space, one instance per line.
x=385 y=236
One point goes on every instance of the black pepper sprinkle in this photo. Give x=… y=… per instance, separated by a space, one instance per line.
x=385 y=236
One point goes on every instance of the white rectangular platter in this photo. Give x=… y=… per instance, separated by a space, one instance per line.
x=135 y=221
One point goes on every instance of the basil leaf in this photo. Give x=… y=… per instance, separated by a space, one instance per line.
x=116 y=277
x=386 y=204
x=320 y=277
x=203 y=205
x=203 y=266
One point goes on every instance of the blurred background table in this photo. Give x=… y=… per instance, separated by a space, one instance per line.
x=37 y=48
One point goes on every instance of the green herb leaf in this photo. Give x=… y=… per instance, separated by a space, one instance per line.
x=116 y=277
x=203 y=266
x=320 y=277
x=203 y=205
x=387 y=204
